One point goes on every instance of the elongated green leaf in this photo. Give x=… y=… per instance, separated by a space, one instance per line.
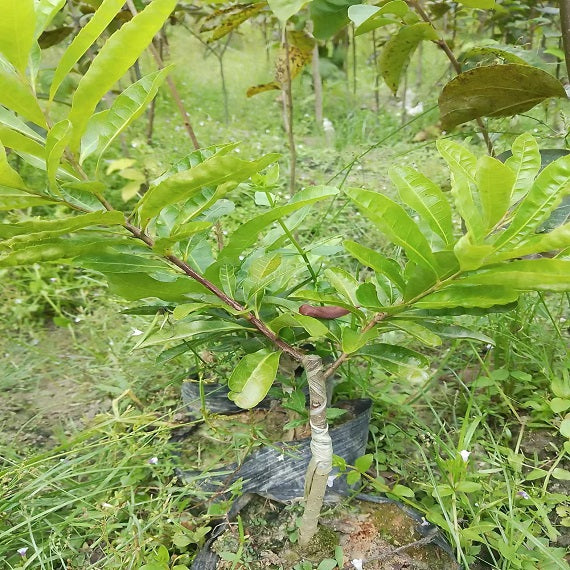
x=399 y=49
x=344 y=283
x=467 y=295
x=217 y=170
x=135 y=286
x=252 y=377
x=525 y=163
x=558 y=238
x=426 y=198
x=495 y=183
x=116 y=56
x=463 y=164
x=17 y=25
x=313 y=326
x=21 y=143
x=83 y=41
x=10 y=120
x=57 y=140
x=419 y=332
x=376 y=261
x=182 y=232
x=551 y=185
x=524 y=275
x=391 y=219
x=120 y=263
x=16 y=95
x=126 y=108
x=42 y=229
x=495 y=91
x=12 y=198
x=9 y=178
x=46 y=10
x=247 y=234
x=190 y=329
x=458 y=332
x=62 y=249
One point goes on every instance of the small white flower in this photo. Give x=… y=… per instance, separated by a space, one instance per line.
x=465 y=455
x=281 y=458
x=136 y=332
x=18 y=301
x=22 y=551
x=107 y=505
x=330 y=480
x=153 y=460
x=77 y=319
x=357 y=563
x=237 y=150
x=53 y=279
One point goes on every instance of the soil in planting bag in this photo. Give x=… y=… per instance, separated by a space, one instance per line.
x=278 y=472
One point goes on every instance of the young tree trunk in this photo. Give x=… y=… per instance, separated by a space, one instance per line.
x=376 y=73
x=321 y=448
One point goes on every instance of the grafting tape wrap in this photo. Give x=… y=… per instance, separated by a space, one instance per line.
x=321 y=443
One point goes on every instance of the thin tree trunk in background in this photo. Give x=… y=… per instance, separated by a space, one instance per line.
x=405 y=99
x=317 y=87
x=420 y=68
x=150 y=127
x=353 y=60
x=565 y=29
x=376 y=73
x=288 y=115
x=171 y=85
x=220 y=57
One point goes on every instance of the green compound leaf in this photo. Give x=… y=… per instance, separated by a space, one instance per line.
x=495 y=91
x=252 y=377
